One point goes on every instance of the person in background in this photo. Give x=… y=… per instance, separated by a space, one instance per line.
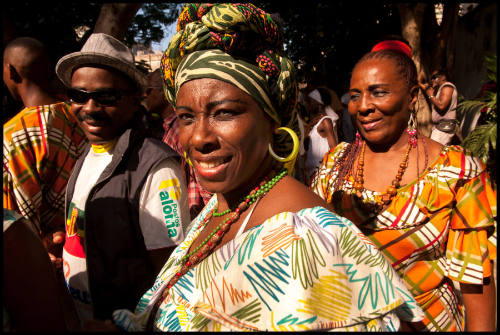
x=263 y=236
x=300 y=163
x=157 y=107
x=126 y=200
x=348 y=132
x=40 y=144
x=430 y=209
x=442 y=96
x=32 y=298
x=321 y=133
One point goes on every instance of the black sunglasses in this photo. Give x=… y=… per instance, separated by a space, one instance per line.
x=107 y=97
x=434 y=76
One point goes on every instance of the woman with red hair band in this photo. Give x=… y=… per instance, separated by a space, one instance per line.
x=430 y=209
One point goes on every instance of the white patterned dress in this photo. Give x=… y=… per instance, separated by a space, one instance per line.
x=296 y=271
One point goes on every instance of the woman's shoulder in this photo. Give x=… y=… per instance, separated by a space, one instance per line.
x=333 y=154
x=340 y=147
x=308 y=218
x=295 y=195
x=458 y=156
x=289 y=195
x=337 y=150
x=447 y=83
x=455 y=161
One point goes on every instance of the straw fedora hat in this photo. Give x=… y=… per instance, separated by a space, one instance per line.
x=101 y=49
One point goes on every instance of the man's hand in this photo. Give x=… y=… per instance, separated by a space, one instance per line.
x=429 y=91
x=53 y=242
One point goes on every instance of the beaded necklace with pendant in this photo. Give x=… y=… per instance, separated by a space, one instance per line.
x=213 y=239
x=391 y=190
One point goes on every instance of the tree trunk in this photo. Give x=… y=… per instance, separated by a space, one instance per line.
x=115 y=18
x=412 y=17
x=412 y=20
x=449 y=32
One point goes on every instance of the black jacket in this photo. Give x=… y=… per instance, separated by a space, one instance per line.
x=118 y=265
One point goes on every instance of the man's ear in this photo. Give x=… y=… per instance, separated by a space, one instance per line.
x=14 y=74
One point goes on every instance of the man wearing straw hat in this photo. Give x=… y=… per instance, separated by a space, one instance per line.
x=126 y=205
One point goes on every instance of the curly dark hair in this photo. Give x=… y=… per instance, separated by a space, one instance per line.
x=442 y=72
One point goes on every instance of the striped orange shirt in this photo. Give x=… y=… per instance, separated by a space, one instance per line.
x=40 y=147
x=438 y=229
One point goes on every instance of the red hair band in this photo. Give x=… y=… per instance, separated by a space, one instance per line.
x=393 y=45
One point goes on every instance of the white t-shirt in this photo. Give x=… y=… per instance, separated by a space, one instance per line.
x=451 y=113
x=163 y=216
x=318 y=145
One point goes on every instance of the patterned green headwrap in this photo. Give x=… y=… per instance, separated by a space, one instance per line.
x=241 y=45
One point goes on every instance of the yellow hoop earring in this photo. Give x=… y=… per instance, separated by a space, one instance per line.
x=186 y=158
x=289 y=161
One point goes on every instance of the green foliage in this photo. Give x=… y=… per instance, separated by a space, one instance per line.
x=151 y=21
x=326 y=38
x=326 y=35
x=491 y=61
x=54 y=22
x=482 y=140
x=51 y=22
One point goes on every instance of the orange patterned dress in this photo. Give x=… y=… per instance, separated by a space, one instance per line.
x=439 y=228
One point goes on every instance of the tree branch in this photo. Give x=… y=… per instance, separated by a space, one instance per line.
x=115 y=18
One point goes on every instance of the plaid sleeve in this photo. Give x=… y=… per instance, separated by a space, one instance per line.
x=198 y=197
x=324 y=176
x=41 y=146
x=171 y=134
x=472 y=237
x=8 y=187
x=24 y=149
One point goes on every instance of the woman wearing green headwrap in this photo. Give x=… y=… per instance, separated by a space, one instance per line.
x=264 y=254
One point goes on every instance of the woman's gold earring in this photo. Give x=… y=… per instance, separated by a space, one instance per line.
x=186 y=158
x=289 y=161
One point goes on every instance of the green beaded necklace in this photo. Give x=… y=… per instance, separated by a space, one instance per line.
x=216 y=214
x=216 y=235
x=271 y=183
